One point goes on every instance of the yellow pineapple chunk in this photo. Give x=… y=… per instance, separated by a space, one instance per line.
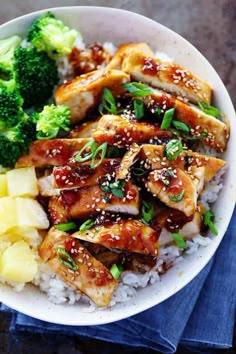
x=8 y=217
x=22 y=182
x=17 y=263
x=30 y=213
x=3 y=185
x=27 y=233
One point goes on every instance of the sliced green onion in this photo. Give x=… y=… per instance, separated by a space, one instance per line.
x=105 y=188
x=138 y=109
x=66 y=259
x=108 y=103
x=101 y=149
x=173 y=149
x=88 y=224
x=177 y=197
x=195 y=137
x=208 y=220
x=148 y=211
x=181 y=126
x=116 y=188
x=66 y=226
x=91 y=144
x=138 y=89
x=106 y=198
x=179 y=240
x=117 y=193
x=113 y=151
x=138 y=171
x=116 y=270
x=157 y=112
x=166 y=122
x=208 y=109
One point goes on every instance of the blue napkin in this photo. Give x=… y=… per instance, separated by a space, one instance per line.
x=199 y=316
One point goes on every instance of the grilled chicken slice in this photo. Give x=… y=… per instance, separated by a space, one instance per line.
x=87 y=274
x=168 y=76
x=174 y=188
x=124 y=50
x=45 y=186
x=153 y=156
x=188 y=230
x=129 y=158
x=93 y=199
x=129 y=235
x=54 y=152
x=85 y=91
x=84 y=130
x=88 y=201
x=217 y=132
x=78 y=175
x=121 y=132
x=58 y=210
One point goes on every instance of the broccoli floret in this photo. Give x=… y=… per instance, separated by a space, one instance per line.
x=11 y=102
x=15 y=141
x=27 y=132
x=51 y=120
x=7 y=48
x=24 y=132
x=10 y=152
x=36 y=75
x=49 y=34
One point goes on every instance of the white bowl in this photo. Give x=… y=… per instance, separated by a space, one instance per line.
x=118 y=26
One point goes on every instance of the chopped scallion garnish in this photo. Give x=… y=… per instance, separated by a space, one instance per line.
x=91 y=145
x=106 y=198
x=138 y=171
x=66 y=226
x=173 y=149
x=116 y=270
x=102 y=149
x=115 y=188
x=208 y=109
x=177 y=197
x=138 y=89
x=108 y=104
x=113 y=151
x=94 y=151
x=166 y=122
x=148 y=211
x=88 y=224
x=194 y=137
x=208 y=220
x=181 y=126
x=138 y=109
x=179 y=240
x=157 y=112
x=66 y=259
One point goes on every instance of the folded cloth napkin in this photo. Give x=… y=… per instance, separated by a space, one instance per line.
x=200 y=316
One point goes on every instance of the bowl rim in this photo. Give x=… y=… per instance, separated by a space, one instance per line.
x=142 y=307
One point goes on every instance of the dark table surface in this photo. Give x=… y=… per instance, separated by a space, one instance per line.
x=210 y=26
